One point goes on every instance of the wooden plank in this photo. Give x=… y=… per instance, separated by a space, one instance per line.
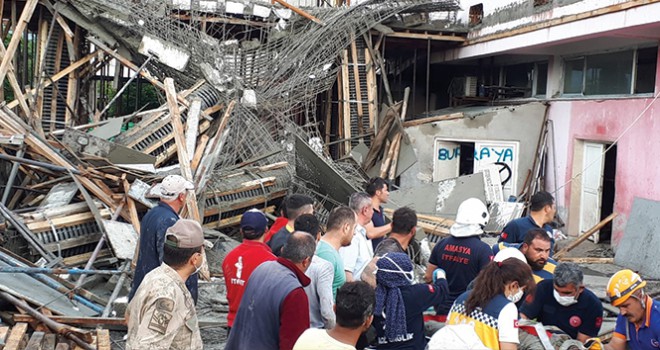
x=372 y=90
x=49 y=341
x=4 y=330
x=64 y=221
x=16 y=37
x=385 y=166
x=192 y=125
x=83 y=258
x=340 y=109
x=346 y=99
x=83 y=322
x=184 y=163
x=73 y=242
x=588 y=260
x=433 y=119
x=212 y=150
x=16 y=338
x=328 y=115
x=584 y=236
x=61 y=74
x=199 y=152
x=234 y=220
x=36 y=341
x=246 y=203
x=427 y=36
x=243 y=188
x=103 y=340
x=182 y=153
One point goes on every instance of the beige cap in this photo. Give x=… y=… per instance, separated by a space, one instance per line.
x=185 y=234
x=172 y=186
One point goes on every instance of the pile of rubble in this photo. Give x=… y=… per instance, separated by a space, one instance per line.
x=239 y=83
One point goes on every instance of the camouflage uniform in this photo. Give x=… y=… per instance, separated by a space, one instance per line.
x=162 y=314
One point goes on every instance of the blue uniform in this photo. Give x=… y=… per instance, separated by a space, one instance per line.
x=378 y=219
x=462 y=259
x=154 y=224
x=647 y=337
x=548 y=270
x=515 y=231
x=585 y=316
x=416 y=298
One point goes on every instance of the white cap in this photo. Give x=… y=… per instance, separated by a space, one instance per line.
x=509 y=253
x=172 y=186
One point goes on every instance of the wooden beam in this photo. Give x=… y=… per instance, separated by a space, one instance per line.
x=55 y=97
x=426 y=36
x=85 y=322
x=299 y=11
x=16 y=37
x=584 y=236
x=16 y=338
x=437 y=118
x=210 y=153
x=61 y=74
x=588 y=260
x=372 y=90
x=199 y=152
x=65 y=221
x=103 y=339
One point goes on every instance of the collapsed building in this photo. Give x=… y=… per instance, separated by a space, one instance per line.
x=253 y=101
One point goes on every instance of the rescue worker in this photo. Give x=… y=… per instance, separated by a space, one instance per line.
x=536 y=247
x=564 y=302
x=162 y=314
x=542 y=209
x=638 y=324
x=491 y=305
x=461 y=255
x=172 y=192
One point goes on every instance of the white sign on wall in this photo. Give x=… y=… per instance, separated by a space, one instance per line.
x=504 y=155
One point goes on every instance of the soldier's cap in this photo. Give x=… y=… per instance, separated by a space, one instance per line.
x=172 y=186
x=185 y=234
x=254 y=220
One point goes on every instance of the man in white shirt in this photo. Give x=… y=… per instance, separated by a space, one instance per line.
x=357 y=255
x=354 y=309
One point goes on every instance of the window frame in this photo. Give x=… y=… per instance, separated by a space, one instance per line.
x=585 y=57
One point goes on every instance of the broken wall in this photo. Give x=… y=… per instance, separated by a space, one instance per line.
x=512 y=124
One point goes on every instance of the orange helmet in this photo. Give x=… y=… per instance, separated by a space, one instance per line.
x=622 y=285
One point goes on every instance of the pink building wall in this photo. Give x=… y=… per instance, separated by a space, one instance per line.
x=638 y=161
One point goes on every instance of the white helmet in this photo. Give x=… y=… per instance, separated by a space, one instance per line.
x=472 y=212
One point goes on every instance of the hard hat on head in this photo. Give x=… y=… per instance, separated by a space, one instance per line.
x=622 y=285
x=471 y=212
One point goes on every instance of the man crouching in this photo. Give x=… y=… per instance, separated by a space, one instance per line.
x=162 y=314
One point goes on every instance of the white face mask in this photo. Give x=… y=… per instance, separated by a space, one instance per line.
x=514 y=298
x=564 y=300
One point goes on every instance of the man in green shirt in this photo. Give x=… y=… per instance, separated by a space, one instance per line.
x=340 y=228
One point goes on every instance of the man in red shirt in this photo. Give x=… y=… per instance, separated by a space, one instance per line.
x=242 y=260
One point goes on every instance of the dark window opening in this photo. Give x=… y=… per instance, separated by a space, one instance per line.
x=540 y=2
x=466 y=165
x=647 y=60
x=609 y=73
x=476 y=14
x=541 y=78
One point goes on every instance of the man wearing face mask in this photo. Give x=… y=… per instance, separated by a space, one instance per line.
x=564 y=302
x=162 y=314
x=398 y=317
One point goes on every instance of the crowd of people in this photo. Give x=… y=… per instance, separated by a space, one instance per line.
x=349 y=283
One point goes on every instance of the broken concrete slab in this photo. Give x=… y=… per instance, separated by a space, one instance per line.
x=637 y=250
x=440 y=198
x=122 y=238
x=90 y=145
x=501 y=213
